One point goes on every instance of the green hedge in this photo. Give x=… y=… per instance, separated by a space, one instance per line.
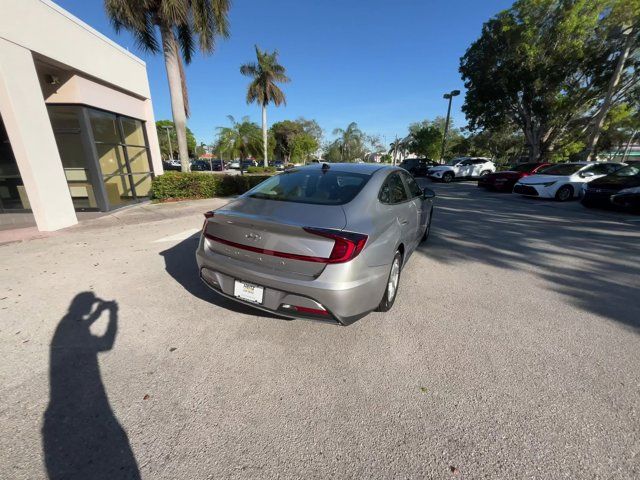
x=261 y=170
x=180 y=185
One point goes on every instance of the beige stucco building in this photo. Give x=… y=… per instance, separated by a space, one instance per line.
x=77 y=130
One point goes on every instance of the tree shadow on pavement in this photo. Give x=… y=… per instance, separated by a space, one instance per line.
x=180 y=263
x=81 y=436
x=592 y=259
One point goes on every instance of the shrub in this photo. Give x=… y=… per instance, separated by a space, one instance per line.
x=261 y=170
x=183 y=185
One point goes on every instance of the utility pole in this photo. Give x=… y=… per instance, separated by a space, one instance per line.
x=449 y=96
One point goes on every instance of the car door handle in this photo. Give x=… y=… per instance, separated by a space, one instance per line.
x=403 y=221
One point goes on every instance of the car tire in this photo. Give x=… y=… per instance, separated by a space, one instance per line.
x=428 y=230
x=391 y=289
x=447 y=177
x=564 y=193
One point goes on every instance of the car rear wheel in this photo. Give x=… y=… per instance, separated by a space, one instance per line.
x=393 y=283
x=447 y=177
x=564 y=193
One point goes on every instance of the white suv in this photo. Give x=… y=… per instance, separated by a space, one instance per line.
x=462 y=167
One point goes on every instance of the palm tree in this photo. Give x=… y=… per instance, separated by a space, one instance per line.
x=241 y=139
x=179 y=22
x=350 y=141
x=266 y=73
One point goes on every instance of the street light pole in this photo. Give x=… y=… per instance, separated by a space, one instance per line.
x=449 y=96
x=167 y=128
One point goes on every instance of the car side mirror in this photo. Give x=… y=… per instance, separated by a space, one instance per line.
x=428 y=193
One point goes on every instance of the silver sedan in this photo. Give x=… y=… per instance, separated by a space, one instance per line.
x=327 y=241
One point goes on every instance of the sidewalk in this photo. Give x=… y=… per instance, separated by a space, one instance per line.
x=135 y=214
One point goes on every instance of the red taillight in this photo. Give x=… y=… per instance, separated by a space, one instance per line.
x=312 y=311
x=207 y=216
x=347 y=245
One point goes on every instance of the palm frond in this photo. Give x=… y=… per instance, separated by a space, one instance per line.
x=266 y=74
x=185 y=40
x=174 y=12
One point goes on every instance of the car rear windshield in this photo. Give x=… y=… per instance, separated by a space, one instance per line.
x=562 y=169
x=318 y=187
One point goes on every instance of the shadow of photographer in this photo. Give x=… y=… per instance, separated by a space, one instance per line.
x=82 y=438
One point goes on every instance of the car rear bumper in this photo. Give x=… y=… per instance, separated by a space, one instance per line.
x=345 y=301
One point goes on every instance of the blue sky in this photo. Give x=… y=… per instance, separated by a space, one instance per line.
x=382 y=64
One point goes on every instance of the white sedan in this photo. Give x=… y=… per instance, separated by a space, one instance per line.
x=565 y=180
x=463 y=167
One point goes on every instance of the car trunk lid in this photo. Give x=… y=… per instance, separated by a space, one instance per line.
x=271 y=235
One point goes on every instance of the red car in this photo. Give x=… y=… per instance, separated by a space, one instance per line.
x=504 y=181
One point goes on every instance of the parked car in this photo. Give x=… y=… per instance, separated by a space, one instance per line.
x=200 y=166
x=171 y=165
x=235 y=165
x=598 y=192
x=628 y=199
x=279 y=164
x=217 y=165
x=418 y=167
x=563 y=181
x=463 y=167
x=324 y=241
x=504 y=181
x=248 y=163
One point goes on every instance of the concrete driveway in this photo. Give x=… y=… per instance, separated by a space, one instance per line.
x=513 y=351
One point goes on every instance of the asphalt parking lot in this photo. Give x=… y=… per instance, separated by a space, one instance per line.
x=512 y=351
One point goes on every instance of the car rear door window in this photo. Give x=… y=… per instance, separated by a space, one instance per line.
x=393 y=190
x=412 y=186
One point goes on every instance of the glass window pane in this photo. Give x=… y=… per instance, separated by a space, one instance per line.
x=104 y=126
x=111 y=159
x=71 y=150
x=138 y=159
x=133 y=133
x=118 y=189
x=64 y=118
x=142 y=184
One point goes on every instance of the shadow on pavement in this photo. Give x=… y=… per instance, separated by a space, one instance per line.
x=592 y=260
x=81 y=436
x=180 y=263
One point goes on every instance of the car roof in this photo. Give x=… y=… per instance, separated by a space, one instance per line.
x=363 y=168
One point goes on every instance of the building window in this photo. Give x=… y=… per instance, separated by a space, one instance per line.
x=105 y=156
x=13 y=196
x=123 y=156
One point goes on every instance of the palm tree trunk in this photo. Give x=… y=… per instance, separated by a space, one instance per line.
x=598 y=121
x=172 y=64
x=264 y=135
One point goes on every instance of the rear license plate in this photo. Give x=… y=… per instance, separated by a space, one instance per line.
x=248 y=292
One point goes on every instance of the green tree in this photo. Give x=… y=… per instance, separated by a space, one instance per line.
x=310 y=127
x=623 y=26
x=542 y=66
x=241 y=139
x=303 y=146
x=263 y=89
x=425 y=139
x=350 y=142
x=181 y=23
x=283 y=133
x=173 y=140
